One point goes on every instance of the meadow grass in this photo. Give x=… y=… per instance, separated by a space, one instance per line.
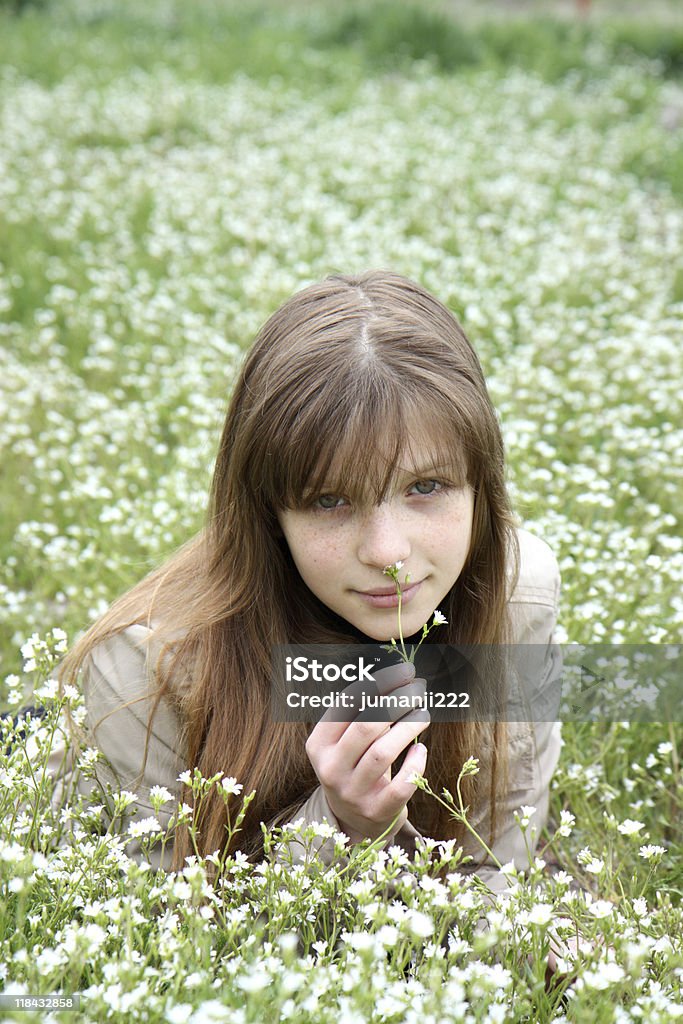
x=169 y=175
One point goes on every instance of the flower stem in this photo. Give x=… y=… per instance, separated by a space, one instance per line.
x=406 y=657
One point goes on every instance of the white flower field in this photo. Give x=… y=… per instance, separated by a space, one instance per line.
x=155 y=206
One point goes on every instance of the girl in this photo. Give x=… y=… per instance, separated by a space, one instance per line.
x=360 y=434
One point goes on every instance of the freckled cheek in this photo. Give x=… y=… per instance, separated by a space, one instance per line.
x=316 y=551
x=451 y=537
x=324 y=555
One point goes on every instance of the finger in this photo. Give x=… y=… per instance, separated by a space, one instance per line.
x=400 y=789
x=384 y=751
x=414 y=763
x=358 y=739
x=380 y=709
x=368 y=749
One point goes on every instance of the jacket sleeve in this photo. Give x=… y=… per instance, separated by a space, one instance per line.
x=119 y=699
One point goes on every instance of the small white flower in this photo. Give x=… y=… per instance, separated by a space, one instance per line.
x=88 y=757
x=388 y=935
x=420 y=924
x=27 y=648
x=231 y=785
x=630 y=827
x=601 y=908
x=61 y=640
x=210 y=1012
x=439 y=619
x=612 y=972
x=94 y=934
x=525 y=814
x=145 y=826
x=49 y=690
x=540 y=914
x=288 y=942
x=255 y=981
x=640 y=907
x=123 y=800
x=178 y=1014
x=650 y=851
x=181 y=889
x=359 y=940
x=567 y=822
x=608 y=974
x=185 y=777
x=159 y=795
x=323 y=829
x=595 y=866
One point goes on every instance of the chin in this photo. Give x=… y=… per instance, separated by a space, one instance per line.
x=375 y=636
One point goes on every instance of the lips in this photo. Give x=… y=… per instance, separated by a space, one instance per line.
x=386 y=597
x=379 y=592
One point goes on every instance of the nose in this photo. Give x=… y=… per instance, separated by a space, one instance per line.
x=383 y=537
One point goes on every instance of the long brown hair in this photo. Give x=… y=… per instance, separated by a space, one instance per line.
x=336 y=360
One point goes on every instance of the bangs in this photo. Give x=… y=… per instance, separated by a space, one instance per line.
x=357 y=448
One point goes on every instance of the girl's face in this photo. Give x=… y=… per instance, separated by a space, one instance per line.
x=425 y=522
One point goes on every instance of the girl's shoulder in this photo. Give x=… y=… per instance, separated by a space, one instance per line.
x=123 y=667
x=538 y=581
x=121 y=660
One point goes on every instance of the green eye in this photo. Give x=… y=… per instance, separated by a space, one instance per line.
x=328 y=501
x=430 y=486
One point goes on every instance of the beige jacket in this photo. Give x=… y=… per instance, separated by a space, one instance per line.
x=116 y=673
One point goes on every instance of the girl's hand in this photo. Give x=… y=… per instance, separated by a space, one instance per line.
x=353 y=760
